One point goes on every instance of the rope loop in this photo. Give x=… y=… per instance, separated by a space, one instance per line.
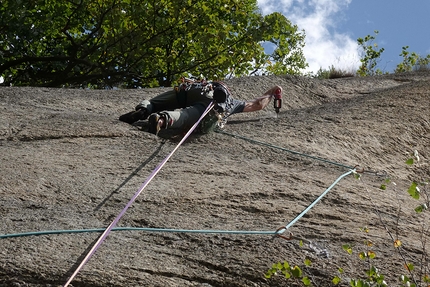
x=279 y=234
x=362 y=170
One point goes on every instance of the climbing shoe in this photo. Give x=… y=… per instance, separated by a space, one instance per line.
x=158 y=122
x=134 y=116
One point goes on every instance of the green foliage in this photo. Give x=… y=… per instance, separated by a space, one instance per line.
x=357 y=175
x=370 y=57
x=423 y=63
x=288 y=57
x=372 y=276
x=373 y=279
x=100 y=43
x=426 y=279
x=384 y=185
x=347 y=248
x=294 y=273
x=409 y=60
x=412 y=61
x=336 y=280
x=406 y=281
x=421 y=208
x=414 y=189
x=333 y=73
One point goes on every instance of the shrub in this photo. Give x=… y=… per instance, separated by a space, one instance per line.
x=333 y=73
x=414 y=276
x=370 y=57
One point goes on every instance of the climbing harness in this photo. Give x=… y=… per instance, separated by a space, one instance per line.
x=217 y=117
x=212 y=121
x=221 y=91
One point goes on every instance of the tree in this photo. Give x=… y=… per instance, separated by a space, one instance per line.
x=371 y=56
x=411 y=61
x=105 y=43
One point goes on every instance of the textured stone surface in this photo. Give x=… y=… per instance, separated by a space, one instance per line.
x=67 y=163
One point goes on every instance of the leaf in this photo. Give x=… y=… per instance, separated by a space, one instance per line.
x=271 y=271
x=138 y=36
x=308 y=262
x=420 y=208
x=365 y=229
x=368 y=243
x=362 y=255
x=336 y=280
x=383 y=187
x=412 y=190
x=306 y=281
x=357 y=283
x=409 y=267
x=296 y=271
x=397 y=243
x=371 y=254
x=347 y=248
x=410 y=161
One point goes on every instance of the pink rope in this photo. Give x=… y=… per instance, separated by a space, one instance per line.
x=139 y=191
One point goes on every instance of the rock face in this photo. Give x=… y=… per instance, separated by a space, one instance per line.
x=67 y=163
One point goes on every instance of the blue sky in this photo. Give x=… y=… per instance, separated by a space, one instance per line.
x=333 y=26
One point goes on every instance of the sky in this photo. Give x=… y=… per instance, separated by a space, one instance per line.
x=332 y=28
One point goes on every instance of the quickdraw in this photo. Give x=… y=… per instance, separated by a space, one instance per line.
x=187 y=83
x=206 y=86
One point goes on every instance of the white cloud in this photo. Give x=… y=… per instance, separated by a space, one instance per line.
x=324 y=46
x=269 y=6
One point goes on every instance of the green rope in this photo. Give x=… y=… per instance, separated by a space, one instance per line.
x=277 y=232
x=284 y=149
x=47 y=232
x=315 y=201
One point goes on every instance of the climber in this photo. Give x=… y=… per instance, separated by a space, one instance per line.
x=183 y=106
